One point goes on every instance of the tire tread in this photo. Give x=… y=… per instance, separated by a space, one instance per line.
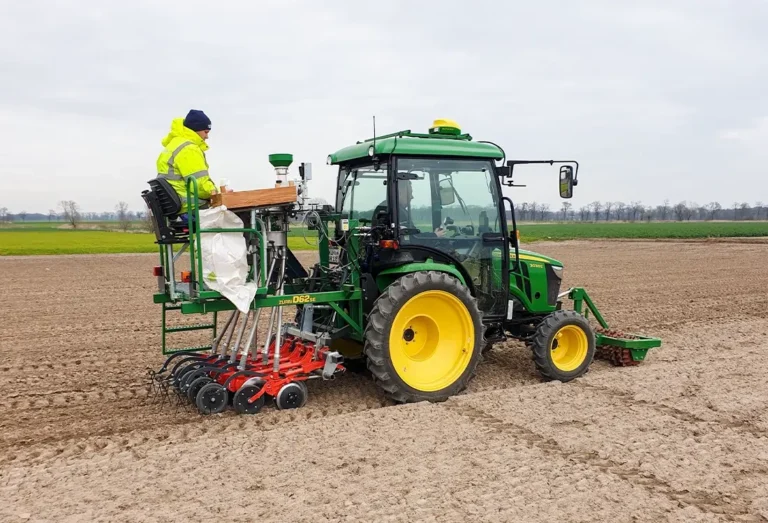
x=381 y=317
x=540 y=344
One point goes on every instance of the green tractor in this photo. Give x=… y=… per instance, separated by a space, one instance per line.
x=449 y=278
x=420 y=272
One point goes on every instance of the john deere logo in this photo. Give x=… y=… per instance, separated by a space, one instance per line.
x=298 y=300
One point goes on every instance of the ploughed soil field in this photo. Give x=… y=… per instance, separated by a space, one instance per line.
x=682 y=437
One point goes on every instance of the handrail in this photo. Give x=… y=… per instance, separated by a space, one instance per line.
x=193 y=211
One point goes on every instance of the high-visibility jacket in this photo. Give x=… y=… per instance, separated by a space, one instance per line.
x=184 y=155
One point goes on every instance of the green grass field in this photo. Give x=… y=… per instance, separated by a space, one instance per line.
x=29 y=242
x=653 y=230
x=58 y=225
x=40 y=238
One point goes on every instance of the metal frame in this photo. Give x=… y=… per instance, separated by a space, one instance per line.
x=192 y=298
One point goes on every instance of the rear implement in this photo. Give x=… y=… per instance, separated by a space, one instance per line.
x=620 y=348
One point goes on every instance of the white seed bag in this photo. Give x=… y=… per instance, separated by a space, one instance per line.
x=224 y=254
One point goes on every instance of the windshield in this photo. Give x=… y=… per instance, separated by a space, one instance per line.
x=362 y=191
x=449 y=197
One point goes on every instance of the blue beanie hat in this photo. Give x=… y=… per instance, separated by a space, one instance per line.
x=197 y=121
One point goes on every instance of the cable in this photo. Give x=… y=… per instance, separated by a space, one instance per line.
x=305 y=227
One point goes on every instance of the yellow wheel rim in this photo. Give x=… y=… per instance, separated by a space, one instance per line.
x=569 y=348
x=431 y=341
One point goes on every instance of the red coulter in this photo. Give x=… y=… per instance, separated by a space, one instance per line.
x=214 y=382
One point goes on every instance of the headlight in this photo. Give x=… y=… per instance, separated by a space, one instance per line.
x=329 y=160
x=371 y=150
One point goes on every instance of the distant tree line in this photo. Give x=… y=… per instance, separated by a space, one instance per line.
x=637 y=212
x=69 y=212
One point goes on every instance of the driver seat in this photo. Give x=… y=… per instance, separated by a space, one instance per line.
x=164 y=204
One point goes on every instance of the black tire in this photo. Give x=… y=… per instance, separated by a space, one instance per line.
x=544 y=342
x=380 y=322
x=195 y=386
x=212 y=398
x=188 y=378
x=291 y=396
x=181 y=374
x=240 y=401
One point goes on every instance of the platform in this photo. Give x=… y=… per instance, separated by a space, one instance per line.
x=256 y=198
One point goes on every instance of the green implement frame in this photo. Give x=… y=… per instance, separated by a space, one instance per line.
x=637 y=345
x=193 y=297
x=186 y=328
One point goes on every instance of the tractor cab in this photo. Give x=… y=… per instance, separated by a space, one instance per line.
x=436 y=200
x=438 y=197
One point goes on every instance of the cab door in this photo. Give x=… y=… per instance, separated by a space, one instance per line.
x=453 y=205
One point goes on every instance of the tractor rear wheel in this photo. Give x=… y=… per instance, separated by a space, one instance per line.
x=563 y=346
x=423 y=338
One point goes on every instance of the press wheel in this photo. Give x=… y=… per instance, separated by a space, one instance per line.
x=240 y=401
x=196 y=385
x=212 y=398
x=291 y=396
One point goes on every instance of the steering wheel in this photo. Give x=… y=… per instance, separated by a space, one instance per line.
x=453 y=229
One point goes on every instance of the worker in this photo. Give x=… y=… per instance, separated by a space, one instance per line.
x=405 y=197
x=184 y=156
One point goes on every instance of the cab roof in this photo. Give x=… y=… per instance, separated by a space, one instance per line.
x=444 y=139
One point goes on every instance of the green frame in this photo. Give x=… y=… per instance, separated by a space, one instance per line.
x=346 y=301
x=638 y=345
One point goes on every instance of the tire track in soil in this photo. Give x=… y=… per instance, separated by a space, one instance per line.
x=70 y=398
x=177 y=431
x=81 y=363
x=629 y=399
x=180 y=422
x=117 y=364
x=705 y=502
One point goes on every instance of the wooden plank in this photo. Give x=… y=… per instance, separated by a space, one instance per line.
x=255 y=198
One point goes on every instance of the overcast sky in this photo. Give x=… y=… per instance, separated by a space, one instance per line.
x=655 y=99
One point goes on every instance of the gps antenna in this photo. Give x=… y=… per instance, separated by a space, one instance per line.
x=373 y=156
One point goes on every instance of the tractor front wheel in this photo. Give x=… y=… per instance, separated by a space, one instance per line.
x=423 y=338
x=563 y=346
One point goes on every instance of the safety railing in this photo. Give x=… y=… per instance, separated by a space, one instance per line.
x=196 y=261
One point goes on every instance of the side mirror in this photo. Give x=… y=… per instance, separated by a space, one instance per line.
x=447 y=194
x=566 y=181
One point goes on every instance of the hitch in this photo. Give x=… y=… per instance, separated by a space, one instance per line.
x=620 y=348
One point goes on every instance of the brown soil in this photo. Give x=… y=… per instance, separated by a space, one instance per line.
x=682 y=437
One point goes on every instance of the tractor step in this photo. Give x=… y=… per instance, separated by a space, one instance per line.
x=166 y=330
x=195 y=327
x=198 y=348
